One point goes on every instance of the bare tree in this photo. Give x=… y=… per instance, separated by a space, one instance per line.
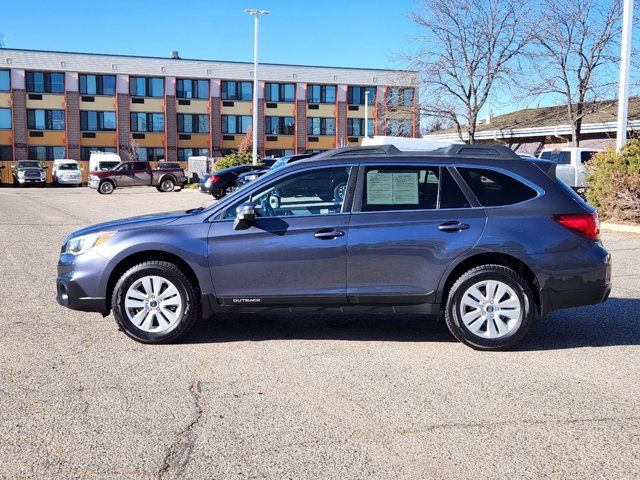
x=130 y=150
x=468 y=49
x=246 y=145
x=576 y=45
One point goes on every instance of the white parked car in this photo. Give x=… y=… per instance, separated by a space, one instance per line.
x=67 y=172
x=570 y=162
x=102 y=161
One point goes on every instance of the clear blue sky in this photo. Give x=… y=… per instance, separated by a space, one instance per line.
x=321 y=32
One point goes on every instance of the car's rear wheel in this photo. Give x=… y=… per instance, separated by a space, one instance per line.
x=490 y=307
x=229 y=189
x=167 y=185
x=154 y=302
x=106 y=188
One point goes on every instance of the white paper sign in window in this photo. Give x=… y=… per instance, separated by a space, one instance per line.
x=392 y=188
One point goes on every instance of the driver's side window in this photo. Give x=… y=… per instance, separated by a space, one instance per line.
x=320 y=191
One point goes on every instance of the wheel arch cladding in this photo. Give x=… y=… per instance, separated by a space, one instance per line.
x=495 y=258
x=147 y=256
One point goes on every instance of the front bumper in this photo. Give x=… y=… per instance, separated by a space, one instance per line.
x=30 y=181
x=80 y=284
x=71 y=295
x=94 y=183
x=69 y=181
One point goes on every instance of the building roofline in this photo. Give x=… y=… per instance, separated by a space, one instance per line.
x=234 y=62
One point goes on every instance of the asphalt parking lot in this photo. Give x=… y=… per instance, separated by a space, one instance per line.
x=299 y=396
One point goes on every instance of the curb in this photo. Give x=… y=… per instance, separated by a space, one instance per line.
x=617 y=227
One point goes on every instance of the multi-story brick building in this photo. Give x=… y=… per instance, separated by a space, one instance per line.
x=58 y=104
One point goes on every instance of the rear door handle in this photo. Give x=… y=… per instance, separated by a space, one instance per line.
x=327 y=234
x=453 y=226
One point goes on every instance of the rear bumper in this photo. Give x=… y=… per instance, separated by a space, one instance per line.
x=556 y=300
x=69 y=181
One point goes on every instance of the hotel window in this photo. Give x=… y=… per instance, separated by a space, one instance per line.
x=193 y=123
x=400 y=128
x=280 y=92
x=279 y=125
x=97 y=84
x=85 y=152
x=237 y=90
x=97 y=121
x=185 y=153
x=355 y=127
x=5 y=119
x=45 y=120
x=45 y=82
x=46 y=153
x=6 y=153
x=150 y=154
x=278 y=152
x=5 y=80
x=355 y=95
x=321 y=93
x=146 y=86
x=399 y=96
x=321 y=126
x=147 y=122
x=188 y=88
x=236 y=123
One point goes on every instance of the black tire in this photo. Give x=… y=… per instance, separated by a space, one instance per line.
x=167 y=185
x=188 y=291
x=339 y=191
x=229 y=189
x=502 y=274
x=106 y=188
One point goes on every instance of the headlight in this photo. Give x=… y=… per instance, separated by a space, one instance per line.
x=21 y=174
x=84 y=243
x=94 y=177
x=251 y=178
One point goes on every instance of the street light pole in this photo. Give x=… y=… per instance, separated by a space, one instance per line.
x=366 y=113
x=254 y=127
x=625 y=58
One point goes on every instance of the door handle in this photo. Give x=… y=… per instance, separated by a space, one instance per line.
x=453 y=226
x=327 y=234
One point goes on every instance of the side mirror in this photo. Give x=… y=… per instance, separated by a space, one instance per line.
x=245 y=216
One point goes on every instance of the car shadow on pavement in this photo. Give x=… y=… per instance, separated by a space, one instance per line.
x=242 y=327
x=613 y=323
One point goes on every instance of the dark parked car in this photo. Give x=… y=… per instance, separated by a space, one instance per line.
x=249 y=177
x=29 y=172
x=473 y=233
x=223 y=182
x=137 y=174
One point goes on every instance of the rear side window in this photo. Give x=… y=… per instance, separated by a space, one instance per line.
x=410 y=188
x=559 y=157
x=493 y=188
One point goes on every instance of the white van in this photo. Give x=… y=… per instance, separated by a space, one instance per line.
x=570 y=161
x=66 y=172
x=407 y=143
x=101 y=161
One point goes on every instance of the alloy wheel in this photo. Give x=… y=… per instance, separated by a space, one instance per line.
x=153 y=304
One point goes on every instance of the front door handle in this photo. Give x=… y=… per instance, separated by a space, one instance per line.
x=453 y=226
x=328 y=233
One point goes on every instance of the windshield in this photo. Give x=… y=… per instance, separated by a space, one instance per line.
x=104 y=166
x=68 y=166
x=28 y=164
x=281 y=162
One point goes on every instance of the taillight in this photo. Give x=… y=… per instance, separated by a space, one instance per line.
x=584 y=224
x=214 y=178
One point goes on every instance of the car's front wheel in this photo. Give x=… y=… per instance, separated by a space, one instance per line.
x=106 y=188
x=490 y=307
x=155 y=302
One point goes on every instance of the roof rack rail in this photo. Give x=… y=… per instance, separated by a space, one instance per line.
x=352 y=151
x=479 y=150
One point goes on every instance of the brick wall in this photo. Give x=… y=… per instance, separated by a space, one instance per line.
x=301 y=125
x=124 y=120
x=19 y=111
x=72 y=120
x=171 y=128
x=341 y=128
x=216 y=127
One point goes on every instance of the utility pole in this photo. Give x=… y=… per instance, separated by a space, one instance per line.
x=254 y=127
x=625 y=58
